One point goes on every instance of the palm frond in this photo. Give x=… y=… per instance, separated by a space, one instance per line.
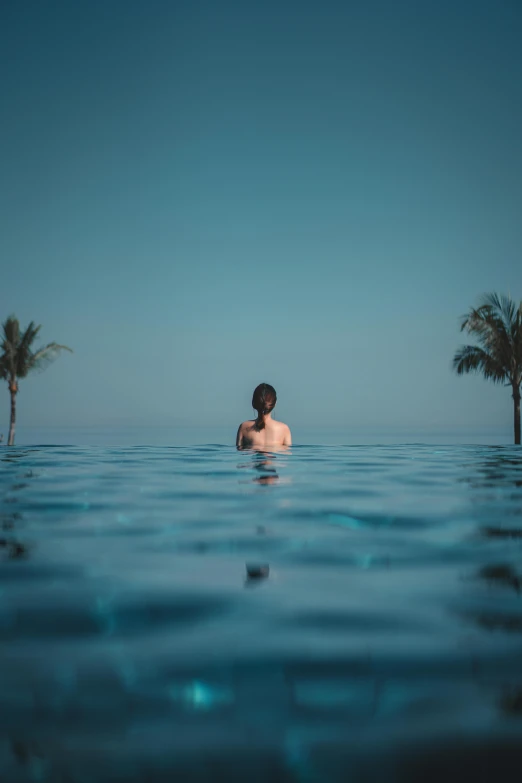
x=503 y=306
x=471 y=358
x=16 y=357
x=517 y=331
x=11 y=327
x=9 y=346
x=500 y=312
x=495 y=325
x=42 y=358
x=23 y=354
x=480 y=322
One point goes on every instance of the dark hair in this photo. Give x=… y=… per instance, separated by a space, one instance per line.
x=263 y=401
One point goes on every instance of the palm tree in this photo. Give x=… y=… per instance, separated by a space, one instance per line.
x=497 y=325
x=17 y=360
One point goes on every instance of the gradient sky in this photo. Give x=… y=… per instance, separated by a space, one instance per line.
x=199 y=196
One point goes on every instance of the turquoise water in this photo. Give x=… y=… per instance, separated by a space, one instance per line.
x=166 y=435
x=384 y=643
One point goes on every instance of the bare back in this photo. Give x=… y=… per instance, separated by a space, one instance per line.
x=274 y=433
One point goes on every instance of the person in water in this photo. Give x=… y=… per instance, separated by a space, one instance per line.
x=263 y=432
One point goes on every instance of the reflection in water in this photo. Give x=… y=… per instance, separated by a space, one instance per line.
x=263 y=462
x=502 y=532
x=501 y=574
x=257 y=570
x=13 y=548
x=256 y=573
x=272 y=479
x=498 y=475
x=25 y=751
x=496 y=621
x=511 y=702
x=495 y=482
x=10 y=544
x=8 y=520
x=132 y=632
x=17 y=550
x=497 y=470
x=16 y=455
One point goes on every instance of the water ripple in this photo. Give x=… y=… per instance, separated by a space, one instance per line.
x=131 y=650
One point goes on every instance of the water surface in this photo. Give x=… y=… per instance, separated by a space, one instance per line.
x=384 y=644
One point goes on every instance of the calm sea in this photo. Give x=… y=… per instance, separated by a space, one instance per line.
x=379 y=638
x=226 y=435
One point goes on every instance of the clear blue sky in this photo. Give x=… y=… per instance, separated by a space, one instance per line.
x=199 y=196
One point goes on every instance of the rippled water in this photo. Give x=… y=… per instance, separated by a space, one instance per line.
x=385 y=643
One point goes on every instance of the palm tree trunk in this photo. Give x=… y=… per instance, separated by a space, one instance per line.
x=13 y=388
x=516 y=405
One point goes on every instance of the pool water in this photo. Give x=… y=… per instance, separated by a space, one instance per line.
x=379 y=637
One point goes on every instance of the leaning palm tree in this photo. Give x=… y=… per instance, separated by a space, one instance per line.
x=497 y=326
x=17 y=360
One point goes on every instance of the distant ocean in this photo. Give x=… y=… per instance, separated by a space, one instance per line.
x=225 y=435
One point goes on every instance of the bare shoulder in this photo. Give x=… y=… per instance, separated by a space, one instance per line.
x=244 y=428
x=283 y=431
x=286 y=434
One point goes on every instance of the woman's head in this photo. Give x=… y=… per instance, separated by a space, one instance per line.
x=263 y=401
